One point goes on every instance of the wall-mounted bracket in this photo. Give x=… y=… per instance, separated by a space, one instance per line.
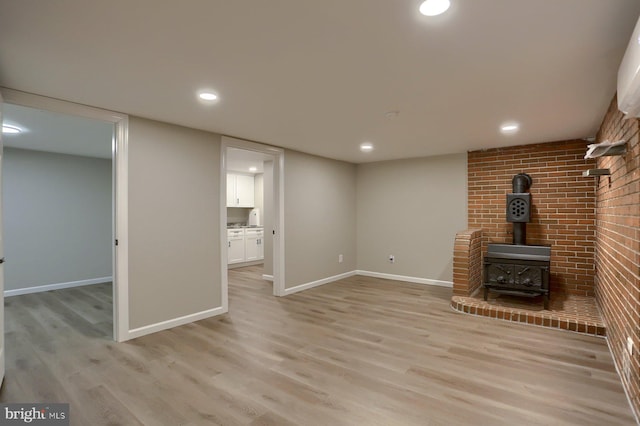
x=606 y=149
x=596 y=172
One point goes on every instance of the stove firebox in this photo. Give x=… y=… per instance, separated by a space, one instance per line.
x=518 y=268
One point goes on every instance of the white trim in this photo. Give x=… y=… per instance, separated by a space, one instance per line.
x=121 y=231
x=2 y=364
x=18 y=97
x=278 y=238
x=278 y=213
x=164 y=325
x=317 y=283
x=267 y=277
x=120 y=188
x=59 y=286
x=224 y=255
x=404 y=278
x=327 y=280
x=2 y=320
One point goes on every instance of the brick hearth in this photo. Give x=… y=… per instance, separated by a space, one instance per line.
x=567 y=312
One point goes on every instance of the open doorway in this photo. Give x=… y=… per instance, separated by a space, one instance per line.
x=251 y=212
x=117 y=204
x=58 y=217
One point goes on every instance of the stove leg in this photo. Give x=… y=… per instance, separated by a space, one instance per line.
x=546 y=301
x=486 y=293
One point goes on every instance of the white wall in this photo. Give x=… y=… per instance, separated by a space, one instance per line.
x=174 y=222
x=57 y=218
x=320 y=218
x=411 y=209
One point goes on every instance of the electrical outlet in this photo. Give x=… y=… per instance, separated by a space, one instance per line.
x=626 y=360
x=340 y=258
x=392 y=258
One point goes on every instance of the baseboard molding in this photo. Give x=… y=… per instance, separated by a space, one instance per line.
x=307 y=286
x=404 y=278
x=49 y=287
x=267 y=277
x=164 y=325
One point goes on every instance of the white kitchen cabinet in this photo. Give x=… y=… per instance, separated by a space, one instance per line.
x=236 y=246
x=245 y=245
x=254 y=244
x=261 y=247
x=240 y=190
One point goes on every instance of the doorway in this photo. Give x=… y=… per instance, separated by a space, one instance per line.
x=257 y=221
x=117 y=214
x=58 y=212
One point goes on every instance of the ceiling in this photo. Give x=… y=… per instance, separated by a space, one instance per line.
x=67 y=134
x=321 y=76
x=60 y=133
x=241 y=160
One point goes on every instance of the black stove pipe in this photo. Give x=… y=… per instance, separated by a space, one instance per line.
x=520 y=184
x=520 y=233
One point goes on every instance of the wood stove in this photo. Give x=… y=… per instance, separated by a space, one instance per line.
x=518 y=269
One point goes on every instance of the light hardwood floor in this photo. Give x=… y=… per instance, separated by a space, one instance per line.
x=361 y=351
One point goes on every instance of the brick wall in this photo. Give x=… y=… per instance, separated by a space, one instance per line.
x=467 y=262
x=563 y=212
x=618 y=247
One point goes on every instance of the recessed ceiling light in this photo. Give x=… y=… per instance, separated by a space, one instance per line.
x=253 y=169
x=207 y=96
x=391 y=114
x=434 y=7
x=366 y=147
x=10 y=130
x=509 y=128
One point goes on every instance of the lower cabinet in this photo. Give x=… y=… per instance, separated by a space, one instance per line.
x=253 y=244
x=235 y=249
x=245 y=245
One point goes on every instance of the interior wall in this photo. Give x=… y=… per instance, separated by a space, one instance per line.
x=618 y=247
x=57 y=218
x=320 y=218
x=411 y=209
x=174 y=220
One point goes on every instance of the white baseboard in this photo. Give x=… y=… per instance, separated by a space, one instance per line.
x=415 y=280
x=267 y=277
x=164 y=325
x=307 y=286
x=49 y=287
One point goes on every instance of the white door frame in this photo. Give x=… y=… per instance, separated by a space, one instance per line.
x=278 y=213
x=120 y=184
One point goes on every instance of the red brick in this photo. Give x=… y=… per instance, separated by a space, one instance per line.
x=617 y=244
